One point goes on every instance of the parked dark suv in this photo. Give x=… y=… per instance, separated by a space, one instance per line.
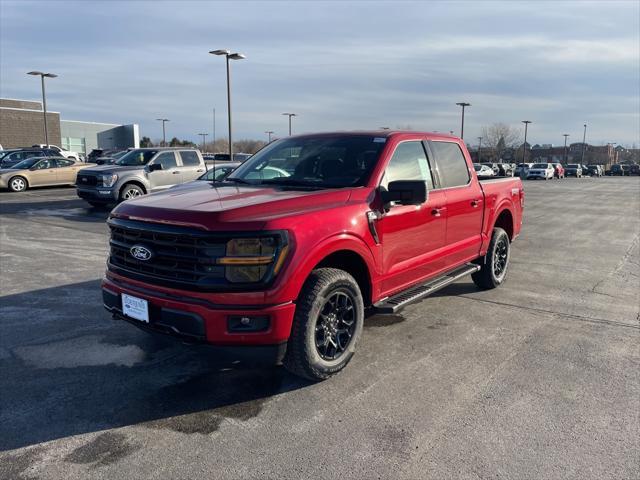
x=620 y=170
x=18 y=155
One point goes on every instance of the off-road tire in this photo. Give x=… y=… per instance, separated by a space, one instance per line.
x=302 y=357
x=130 y=187
x=18 y=184
x=486 y=278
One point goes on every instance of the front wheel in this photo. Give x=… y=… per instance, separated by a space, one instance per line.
x=18 y=184
x=130 y=191
x=495 y=263
x=327 y=325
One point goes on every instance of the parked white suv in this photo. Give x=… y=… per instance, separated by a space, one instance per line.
x=64 y=153
x=541 y=170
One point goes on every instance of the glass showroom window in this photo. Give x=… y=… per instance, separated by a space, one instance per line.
x=74 y=144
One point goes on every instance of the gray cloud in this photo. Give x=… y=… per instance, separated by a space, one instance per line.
x=340 y=65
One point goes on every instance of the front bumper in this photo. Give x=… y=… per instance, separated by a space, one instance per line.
x=99 y=194
x=536 y=175
x=194 y=320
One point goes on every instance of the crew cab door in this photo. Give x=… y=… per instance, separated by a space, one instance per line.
x=411 y=235
x=169 y=175
x=192 y=167
x=464 y=200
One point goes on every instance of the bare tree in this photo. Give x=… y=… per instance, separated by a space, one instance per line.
x=498 y=137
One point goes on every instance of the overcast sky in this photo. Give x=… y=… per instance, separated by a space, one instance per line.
x=339 y=65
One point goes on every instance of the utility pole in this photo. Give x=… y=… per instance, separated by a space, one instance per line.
x=229 y=56
x=566 y=157
x=584 y=139
x=479 y=147
x=463 y=105
x=164 y=136
x=290 y=115
x=214 y=126
x=44 y=101
x=524 y=145
x=203 y=135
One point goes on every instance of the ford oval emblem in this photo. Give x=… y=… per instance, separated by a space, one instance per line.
x=140 y=252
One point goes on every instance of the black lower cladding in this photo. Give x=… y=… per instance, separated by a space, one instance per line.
x=187 y=326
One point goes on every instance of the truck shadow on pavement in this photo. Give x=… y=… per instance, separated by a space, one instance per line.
x=74 y=210
x=67 y=368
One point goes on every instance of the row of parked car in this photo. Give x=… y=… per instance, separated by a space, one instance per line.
x=547 y=171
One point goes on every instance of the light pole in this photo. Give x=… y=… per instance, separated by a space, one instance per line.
x=479 y=147
x=463 y=105
x=203 y=135
x=229 y=56
x=164 y=132
x=566 y=159
x=524 y=145
x=44 y=100
x=584 y=139
x=269 y=132
x=290 y=115
x=214 y=126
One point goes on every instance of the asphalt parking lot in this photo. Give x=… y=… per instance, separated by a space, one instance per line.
x=537 y=379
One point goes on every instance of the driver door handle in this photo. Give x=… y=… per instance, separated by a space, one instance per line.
x=175 y=172
x=475 y=203
x=436 y=212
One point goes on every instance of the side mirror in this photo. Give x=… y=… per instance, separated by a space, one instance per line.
x=155 y=166
x=405 y=192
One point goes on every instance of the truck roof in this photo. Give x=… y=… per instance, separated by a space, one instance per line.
x=377 y=133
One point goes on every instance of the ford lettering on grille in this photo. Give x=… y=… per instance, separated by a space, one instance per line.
x=140 y=252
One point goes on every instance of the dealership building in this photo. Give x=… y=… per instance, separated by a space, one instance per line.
x=22 y=125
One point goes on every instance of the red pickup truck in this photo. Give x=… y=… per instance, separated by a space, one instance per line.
x=285 y=255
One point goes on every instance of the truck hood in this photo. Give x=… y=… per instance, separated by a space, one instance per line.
x=106 y=169
x=200 y=204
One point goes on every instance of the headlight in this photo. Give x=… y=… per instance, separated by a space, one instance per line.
x=248 y=260
x=109 y=180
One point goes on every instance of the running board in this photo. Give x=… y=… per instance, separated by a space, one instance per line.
x=400 y=300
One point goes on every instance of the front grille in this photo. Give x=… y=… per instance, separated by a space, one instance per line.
x=181 y=257
x=88 y=180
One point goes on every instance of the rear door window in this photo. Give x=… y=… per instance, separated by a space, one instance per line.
x=167 y=160
x=452 y=166
x=190 y=158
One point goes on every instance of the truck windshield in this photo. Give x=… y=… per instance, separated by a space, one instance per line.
x=136 y=157
x=327 y=161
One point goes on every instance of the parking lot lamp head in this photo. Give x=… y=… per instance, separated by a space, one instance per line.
x=42 y=76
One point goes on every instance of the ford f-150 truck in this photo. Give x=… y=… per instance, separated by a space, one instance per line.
x=287 y=265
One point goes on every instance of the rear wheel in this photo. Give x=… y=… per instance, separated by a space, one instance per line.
x=327 y=325
x=18 y=184
x=130 y=191
x=495 y=263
